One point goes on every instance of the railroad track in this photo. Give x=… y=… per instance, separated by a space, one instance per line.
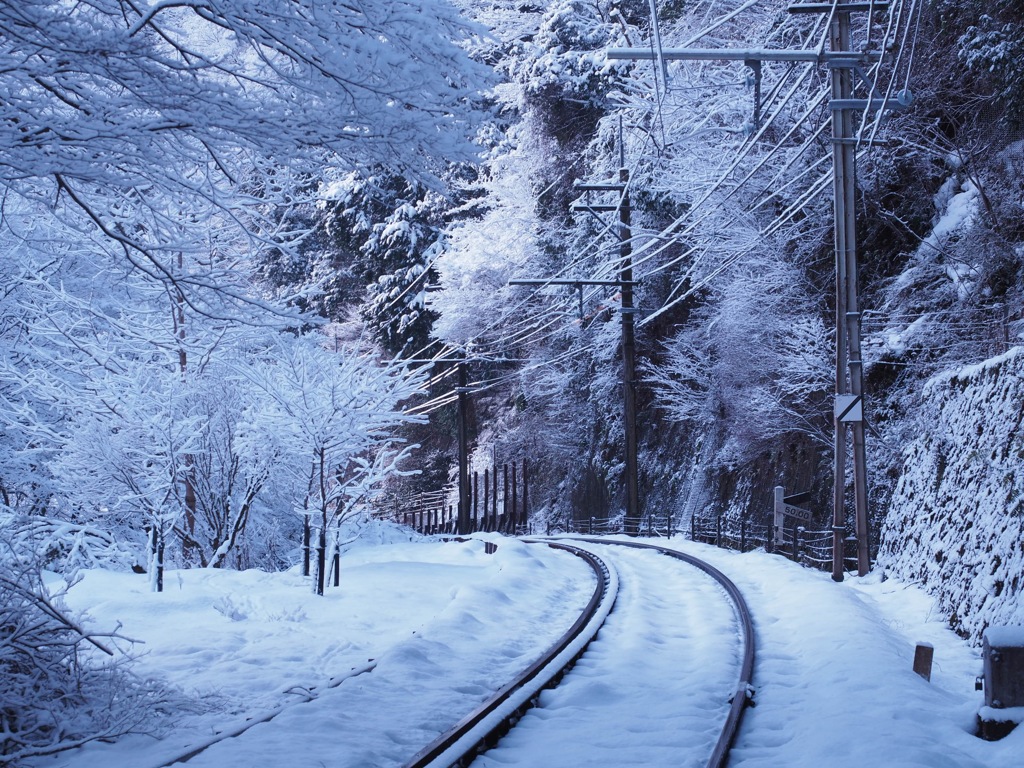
x=492 y=719
x=486 y=725
x=380 y=713
x=594 y=690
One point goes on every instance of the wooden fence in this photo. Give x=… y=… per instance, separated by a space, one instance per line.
x=799 y=543
x=498 y=501
x=647 y=525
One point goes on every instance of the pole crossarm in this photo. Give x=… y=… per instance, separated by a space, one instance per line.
x=595 y=208
x=574 y=283
x=744 y=55
x=838 y=7
x=608 y=187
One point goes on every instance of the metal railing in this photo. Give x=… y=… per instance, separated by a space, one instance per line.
x=804 y=545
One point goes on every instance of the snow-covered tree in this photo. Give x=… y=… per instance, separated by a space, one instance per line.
x=991 y=43
x=756 y=359
x=335 y=416
x=384 y=229
x=138 y=122
x=156 y=156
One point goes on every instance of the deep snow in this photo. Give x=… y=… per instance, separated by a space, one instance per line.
x=446 y=622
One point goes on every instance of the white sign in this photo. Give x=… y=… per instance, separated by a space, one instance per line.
x=849 y=408
x=798 y=512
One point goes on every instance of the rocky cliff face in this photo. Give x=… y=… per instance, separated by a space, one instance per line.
x=956 y=517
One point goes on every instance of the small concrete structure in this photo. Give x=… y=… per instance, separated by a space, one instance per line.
x=1003 y=675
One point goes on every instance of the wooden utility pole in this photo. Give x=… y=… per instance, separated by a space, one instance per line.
x=632 y=523
x=625 y=283
x=848 y=411
x=463 y=524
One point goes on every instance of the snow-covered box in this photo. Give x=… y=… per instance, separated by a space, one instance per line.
x=1003 y=671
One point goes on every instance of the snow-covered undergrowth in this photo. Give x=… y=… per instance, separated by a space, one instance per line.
x=416 y=635
x=957 y=515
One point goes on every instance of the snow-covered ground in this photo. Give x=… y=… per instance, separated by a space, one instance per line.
x=446 y=622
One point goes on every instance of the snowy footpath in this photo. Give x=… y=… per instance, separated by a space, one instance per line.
x=420 y=632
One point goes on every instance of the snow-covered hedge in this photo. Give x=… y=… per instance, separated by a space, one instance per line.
x=957 y=515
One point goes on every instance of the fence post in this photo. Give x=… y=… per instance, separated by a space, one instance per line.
x=718 y=531
x=494 y=499
x=693 y=527
x=336 y=563
x=305 y=545
x=798 y=535
x=487 y=490
x=476 y=501
x=504 y=498
x=743 y=535
x=526 y=493
x=778 y=518
x=514 y=521
x=321 y=559
x=923 y=654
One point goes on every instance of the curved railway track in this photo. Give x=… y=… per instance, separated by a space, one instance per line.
x=491 y=720
x=744 y=690
x=397 y=704
x=608 y=609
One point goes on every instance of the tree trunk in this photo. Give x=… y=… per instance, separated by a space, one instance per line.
x=321 y=557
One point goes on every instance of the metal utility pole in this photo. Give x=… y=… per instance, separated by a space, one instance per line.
x=849 y=374
x=843 y=62
x=847 y=147
x=844 y=189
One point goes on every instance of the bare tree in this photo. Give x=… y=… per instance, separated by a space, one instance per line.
x=58 y=695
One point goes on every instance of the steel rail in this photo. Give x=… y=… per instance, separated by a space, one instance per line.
x=743 y=694
x=495 y=716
